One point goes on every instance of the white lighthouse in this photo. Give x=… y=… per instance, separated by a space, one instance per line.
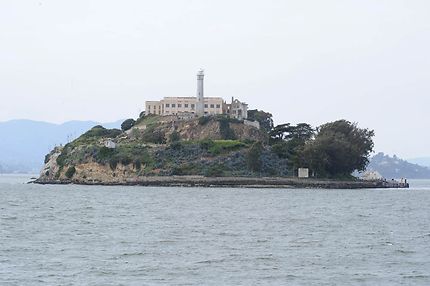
x=200 y=105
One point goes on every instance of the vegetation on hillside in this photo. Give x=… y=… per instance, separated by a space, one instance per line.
x=332 y=150
x=264 y=118
x=128 y=124
x=152 y=146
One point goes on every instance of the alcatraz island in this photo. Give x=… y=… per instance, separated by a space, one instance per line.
x=205 y=141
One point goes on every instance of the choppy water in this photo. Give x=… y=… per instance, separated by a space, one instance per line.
x=82 y=235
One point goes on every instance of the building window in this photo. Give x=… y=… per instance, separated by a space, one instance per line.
x=167 y=105
x=218 y=106
x=192 y=106
x=186 y=105
x=212 y=106
x=173 y=105
x=155 y=107
x=206 y=106
x=179 y=105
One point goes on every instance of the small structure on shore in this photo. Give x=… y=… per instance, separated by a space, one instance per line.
x=303 y=173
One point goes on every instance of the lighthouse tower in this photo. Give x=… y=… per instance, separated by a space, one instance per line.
x=200 y=105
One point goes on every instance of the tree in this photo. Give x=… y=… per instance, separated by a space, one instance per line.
x=287 y=141
x=278 y=133
x=339 y=148
x=300 y=132
x=175 y=139
x=70 y=172
x=227 y=133
x=175 y=136
x=253 y=158
x=127 y=124
x=264 y=118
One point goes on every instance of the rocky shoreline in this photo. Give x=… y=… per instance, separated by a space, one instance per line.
x=238 y=182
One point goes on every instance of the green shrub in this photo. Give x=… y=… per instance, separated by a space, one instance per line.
x=127 y=124
x=125 y=154
x=70 y=172
x=126 y=160
x=248 y=141
x=176 y=145
x=215 y=171
x=137 y=164
x=206 y=144
x=226 y=132
x=113 y=163
x=47 y=158
x=100 y=131
x=147 y=119
x=153 y=135
x=105 y=153
x=58 y=173
x=175 y=136
x=281 y=149
x=216 y=147
x=61 y=159
x=204 y=120
x=184 y=169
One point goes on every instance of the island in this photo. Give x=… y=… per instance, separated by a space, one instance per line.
x=204 y=141
x=207 y=151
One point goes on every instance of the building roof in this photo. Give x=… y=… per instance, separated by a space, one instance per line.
x=189 y=97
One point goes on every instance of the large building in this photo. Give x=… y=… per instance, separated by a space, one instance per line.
x=176 y=105
x=198 y=105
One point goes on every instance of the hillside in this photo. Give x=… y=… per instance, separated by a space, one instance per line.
x=25 y=143
x=164 y=146
x=394 y=167
x=423 y=161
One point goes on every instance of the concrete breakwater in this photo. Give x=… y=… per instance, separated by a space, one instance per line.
x=243 y=182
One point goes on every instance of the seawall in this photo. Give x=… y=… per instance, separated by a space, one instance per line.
x=242 y=182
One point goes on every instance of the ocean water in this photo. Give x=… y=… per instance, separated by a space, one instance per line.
x=90 y=235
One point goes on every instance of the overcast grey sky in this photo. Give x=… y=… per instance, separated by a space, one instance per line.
x=304 y=61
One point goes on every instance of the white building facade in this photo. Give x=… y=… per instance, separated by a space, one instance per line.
x=177 y=105
x=198 y=105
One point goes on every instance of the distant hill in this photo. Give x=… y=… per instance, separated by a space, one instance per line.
x=394 y=167
x=423 y=161
x=24 y=143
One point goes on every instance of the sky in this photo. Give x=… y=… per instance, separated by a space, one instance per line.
x=308 y=61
